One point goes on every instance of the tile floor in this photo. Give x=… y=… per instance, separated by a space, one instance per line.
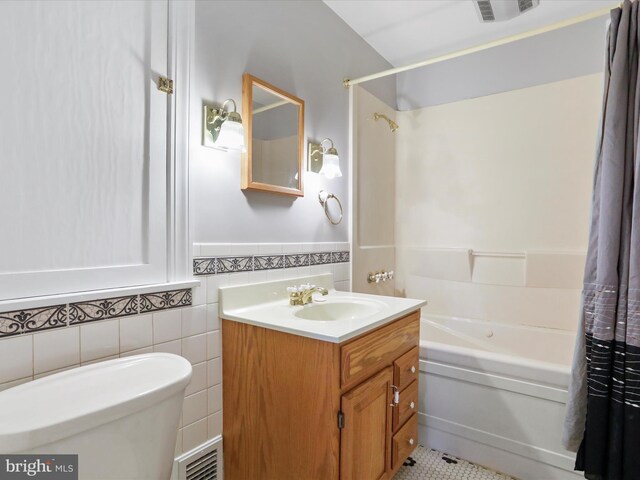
x=427 y=464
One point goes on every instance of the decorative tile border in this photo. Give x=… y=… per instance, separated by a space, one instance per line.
x=268 y=262
x=322 y=258
x=248 y=263
x=33 y=320
x=296 y=260
x=150 y=302
x=234 y=264
x=83 y=312
x=204 y=266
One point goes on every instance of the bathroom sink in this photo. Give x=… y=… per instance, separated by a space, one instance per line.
x=334 y=317
x=338 y=311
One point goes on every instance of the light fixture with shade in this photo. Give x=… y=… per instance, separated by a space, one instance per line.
x=222 y=128
x=324 y=160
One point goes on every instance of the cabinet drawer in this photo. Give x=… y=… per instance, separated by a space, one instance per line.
x=365 y=355
x=408 y=405
x=405 y=368
x=404 y=442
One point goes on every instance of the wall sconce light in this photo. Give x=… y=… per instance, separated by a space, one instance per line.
x=323 y=160
x=222 y=129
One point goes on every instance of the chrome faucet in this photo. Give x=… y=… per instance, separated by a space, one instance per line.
x=303 y=294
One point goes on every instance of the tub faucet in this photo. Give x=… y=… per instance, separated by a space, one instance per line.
x=303 y=294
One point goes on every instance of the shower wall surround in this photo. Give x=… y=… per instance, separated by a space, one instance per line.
x=374 y=193
x=493 y=203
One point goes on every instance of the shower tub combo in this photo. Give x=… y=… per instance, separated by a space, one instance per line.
x=495 y=394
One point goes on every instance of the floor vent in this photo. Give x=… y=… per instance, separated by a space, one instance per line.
x=201 y=463
x=205 y=468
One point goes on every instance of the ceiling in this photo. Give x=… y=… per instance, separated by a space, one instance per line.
x=407 y=31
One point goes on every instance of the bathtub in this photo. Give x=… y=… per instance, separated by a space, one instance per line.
x=495 y=394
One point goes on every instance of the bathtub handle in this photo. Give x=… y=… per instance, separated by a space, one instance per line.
x=413 y=369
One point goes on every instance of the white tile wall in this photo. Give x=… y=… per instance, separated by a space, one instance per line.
x=99 y=340
x=194 y=407
x=136 y=332
x=166 y=326
x=193 y=332
x=16 y=358
x=194 y=434
x=194 y=321
x=194 y=348
x=56 y=349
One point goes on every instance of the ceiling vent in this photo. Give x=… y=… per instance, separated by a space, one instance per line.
x=486 y=10
x=524 y=5
x=501 y=10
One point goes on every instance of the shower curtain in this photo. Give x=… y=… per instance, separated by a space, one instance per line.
x=603 y=415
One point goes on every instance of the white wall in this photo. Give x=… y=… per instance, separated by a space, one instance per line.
x=507 y=173
x=305 y=49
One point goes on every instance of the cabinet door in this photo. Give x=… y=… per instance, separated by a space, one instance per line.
x=83 y=154
x=365 y=439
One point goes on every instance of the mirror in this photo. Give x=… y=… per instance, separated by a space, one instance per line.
x=274 y=131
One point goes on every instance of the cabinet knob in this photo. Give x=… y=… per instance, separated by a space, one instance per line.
x=413 y=369
x=412 y=405
x=411 y=441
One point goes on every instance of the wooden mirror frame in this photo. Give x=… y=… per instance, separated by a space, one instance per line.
x=247 y=183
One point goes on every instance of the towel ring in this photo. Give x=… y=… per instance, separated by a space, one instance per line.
x=323 y=198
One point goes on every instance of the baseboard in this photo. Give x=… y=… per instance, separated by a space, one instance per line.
x=523 y=461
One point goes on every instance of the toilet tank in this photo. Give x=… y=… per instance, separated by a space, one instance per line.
x=120 y=416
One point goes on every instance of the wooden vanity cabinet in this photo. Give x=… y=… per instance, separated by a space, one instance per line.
x=300 y=408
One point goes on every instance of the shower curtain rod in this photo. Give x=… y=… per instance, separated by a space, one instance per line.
x=485 y=46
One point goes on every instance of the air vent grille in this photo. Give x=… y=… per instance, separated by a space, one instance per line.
x=524 y=5
x=486 y=10
x=204 y=468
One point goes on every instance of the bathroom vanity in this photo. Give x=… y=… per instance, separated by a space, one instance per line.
x=322 y=391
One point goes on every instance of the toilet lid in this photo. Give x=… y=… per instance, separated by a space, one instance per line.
x=60 y=405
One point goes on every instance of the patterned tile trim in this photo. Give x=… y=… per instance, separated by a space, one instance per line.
x=234 y=264
x=296 y=260
x=83 y=312
x=339 y=257
x=33 y=320
x=248 y=263
x=268 y=262
x=320 y=258
x=150 y=302
x=204 y=266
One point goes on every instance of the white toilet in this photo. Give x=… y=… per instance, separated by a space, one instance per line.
x=120 y=416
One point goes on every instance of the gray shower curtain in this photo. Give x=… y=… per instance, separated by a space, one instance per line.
x=603 y=415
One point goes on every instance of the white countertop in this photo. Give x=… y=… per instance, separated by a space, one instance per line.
x=267 y=305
